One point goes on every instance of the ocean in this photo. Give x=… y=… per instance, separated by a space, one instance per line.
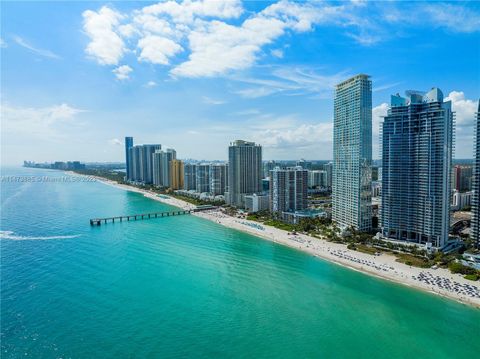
x=181 y=287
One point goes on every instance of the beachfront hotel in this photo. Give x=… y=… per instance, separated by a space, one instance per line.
x=244 y=171
x=475 y=228
x=352 y=154
x=417 y=156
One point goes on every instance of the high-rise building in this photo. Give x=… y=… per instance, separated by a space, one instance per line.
x=177 y=174
x=161 y=167
x=190 y=176
x=417 y=156
x=147 y=152
x=136 y=158
x=202 y=178
x=462 y=178
x=288 y=189
x=475 y=228
x=139 y=161
x=218 y=179
x=306 y=165
x=317 y=178
x=328 y=167
x=244 y=171
x=157 y=175
x=267 y=167
x=352 y=154
x=128 y=145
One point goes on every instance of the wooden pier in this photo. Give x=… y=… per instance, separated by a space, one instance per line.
x=135 y=217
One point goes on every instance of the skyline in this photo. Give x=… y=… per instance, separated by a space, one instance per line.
x=63 y=98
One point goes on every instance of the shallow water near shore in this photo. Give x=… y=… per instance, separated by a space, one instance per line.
x=187 y=287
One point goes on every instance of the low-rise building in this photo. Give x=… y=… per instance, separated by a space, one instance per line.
x=255 y=203
x=460 y=200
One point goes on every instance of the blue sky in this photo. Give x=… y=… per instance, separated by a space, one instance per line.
x=77 y=77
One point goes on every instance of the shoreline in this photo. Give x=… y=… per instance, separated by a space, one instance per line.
x=384 y=266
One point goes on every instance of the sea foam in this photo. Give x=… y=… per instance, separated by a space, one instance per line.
x=12 y=236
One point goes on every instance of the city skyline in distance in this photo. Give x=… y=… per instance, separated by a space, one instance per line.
x=62 y=98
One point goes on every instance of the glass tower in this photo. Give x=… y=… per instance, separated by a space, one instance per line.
x=352 y=154
x=128 y=160
x=417 y=157
x=475 y=231
x=162 y=167
x=244 y=171
x=288 y=189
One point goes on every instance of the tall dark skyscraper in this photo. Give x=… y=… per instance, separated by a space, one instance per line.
x=244 y=171
x=417 y=157
x=128 y=145
x=475 y=230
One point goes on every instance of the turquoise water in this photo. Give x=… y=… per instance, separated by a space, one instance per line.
x=186 y=287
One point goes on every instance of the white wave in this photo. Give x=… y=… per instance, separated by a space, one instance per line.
x=12 y=236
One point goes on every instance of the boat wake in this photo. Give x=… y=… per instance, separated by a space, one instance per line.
x=12 y=236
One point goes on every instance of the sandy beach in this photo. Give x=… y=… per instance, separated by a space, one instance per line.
x=438 y=281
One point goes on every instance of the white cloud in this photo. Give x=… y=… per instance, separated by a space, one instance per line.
x=441 y=15
x=187 y=11
x=212 y=101
x=298 y=136
x=122 y=72
x=378 y=113
x=218 y=47
x=301 y=16
x=359 y=2
x=42 y=52
x=152 y=24
x=365 y=38
x=255 y=92
x=217 y=40
x=150 y=84
x=157 y=50
x=465 y=119
x=437 y=15
x=127 y=30
x=464 y=109
x=3 y=44
x=385 y=87
x=106 y=46
x=115 y=142
x=37 y=122
x=277 y=53
x=293 y=81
